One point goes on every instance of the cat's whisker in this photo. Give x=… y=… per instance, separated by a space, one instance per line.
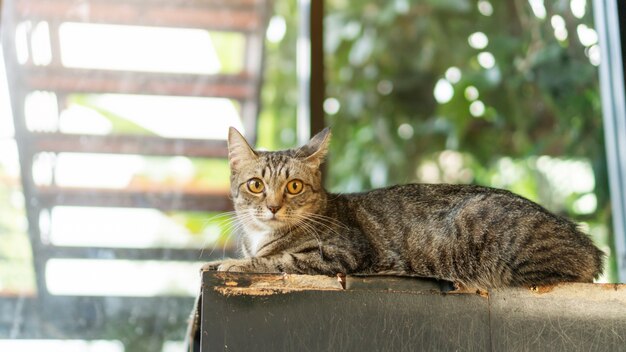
x=326 y=226
x=219 y=217
x=222 y=220
x=329 y=228
x=307 y=228
x=234 y=229
x=229 y=226
x=329 y=219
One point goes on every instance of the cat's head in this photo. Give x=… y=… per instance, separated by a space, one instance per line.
x=276 y=190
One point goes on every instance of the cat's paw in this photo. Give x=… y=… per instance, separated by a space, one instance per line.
x=234 y=265
x=240 y=265
x=211 y=266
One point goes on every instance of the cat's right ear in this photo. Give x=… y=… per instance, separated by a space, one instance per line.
x=238 y=149
x=317 y=148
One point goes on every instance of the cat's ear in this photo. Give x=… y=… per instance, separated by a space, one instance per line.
x=238 y=149
x=317 y=148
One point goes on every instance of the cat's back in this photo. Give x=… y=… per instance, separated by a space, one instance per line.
x=444 y=196
x=499 y=237
x=451 y=208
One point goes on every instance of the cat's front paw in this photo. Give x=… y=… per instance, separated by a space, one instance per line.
x=211 y=266
x=235 y=265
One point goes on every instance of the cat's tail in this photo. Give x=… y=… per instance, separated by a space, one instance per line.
x=599 y=258
x=594 y=260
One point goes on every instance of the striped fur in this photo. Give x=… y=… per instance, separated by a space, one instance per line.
x=475 y=236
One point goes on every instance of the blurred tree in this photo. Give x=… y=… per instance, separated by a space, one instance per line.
x=279 y=96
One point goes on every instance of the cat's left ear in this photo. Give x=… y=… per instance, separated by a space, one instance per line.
x=317 y=148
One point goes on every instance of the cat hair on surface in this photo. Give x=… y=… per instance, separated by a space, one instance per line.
x=475 y=236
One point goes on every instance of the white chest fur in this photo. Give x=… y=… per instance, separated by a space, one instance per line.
x=255 y=239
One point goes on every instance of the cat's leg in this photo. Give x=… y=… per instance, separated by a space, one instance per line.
x=240 y=265
x=292 y=263
x=248 y=265
x=212 y=265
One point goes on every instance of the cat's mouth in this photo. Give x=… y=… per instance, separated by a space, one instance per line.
x=267 y=218
x=272 y=216
x=273 y=221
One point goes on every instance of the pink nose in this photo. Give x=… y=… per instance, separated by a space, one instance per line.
x=274 y=208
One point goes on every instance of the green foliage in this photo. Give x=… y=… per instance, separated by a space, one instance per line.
x=279 y=96
x=540 y=97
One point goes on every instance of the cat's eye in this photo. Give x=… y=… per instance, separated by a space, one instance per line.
x=255 y=185
x=295 y=186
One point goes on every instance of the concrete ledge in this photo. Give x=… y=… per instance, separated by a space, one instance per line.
x=271 y=312
x=567 y=317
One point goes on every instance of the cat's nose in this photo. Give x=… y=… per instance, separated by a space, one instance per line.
x=274 y=208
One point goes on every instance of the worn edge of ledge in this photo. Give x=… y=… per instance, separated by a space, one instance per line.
x=263 y=284
x=253 y=284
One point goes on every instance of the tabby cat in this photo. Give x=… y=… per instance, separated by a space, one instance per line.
x=475 y=236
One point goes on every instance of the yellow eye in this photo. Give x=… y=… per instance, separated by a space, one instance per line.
x=255 y=185
x=295 y=187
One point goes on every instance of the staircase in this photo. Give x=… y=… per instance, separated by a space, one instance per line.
x=26 y=24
